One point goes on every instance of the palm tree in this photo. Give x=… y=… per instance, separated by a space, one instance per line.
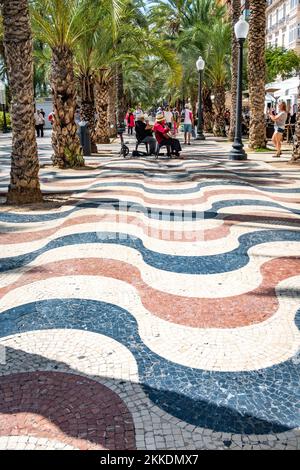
x=257 y=73
x=117 y=54
x=60 y=23
x=111 y=107
x=204 y=30
x=102 y=89
x=24 y=183
x=235 y=12
x=217 y=70
x=92 y=52
x=84 y=72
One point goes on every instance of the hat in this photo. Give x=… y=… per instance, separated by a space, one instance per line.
x=160 y=117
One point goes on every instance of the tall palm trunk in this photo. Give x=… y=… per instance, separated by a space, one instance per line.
x=121 y=105
x=257 y=73
x=101 y=98
x=235 y=12
x=112 y=106
x=87 y=108
x=208 y=111
x=219 y=105
x=24 y=182
x=296 y=147
x=65 y=141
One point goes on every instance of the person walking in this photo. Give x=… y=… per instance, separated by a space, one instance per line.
x=51 y=118
x=176 y=121
x=130 y=122
x=39 y=123
x=169 y=117
x=188 y=124
x=279 y=124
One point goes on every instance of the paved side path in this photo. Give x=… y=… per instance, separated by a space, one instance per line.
x=158 y=308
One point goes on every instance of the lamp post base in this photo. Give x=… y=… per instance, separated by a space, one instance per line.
x=237 y=152
x=200 y=137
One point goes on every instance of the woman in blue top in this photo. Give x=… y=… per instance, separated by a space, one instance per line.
x=279 y=123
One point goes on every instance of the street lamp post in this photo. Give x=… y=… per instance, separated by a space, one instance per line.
x=237 y=152
x=200 y=64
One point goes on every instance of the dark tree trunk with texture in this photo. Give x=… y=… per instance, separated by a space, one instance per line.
x=235 y=12
x=102 y=98
x=65 y=141
x=112 y=107
x=24 y=181
x=257 y=73
x=121 y=105
x=219 y=107
x=87 y=108
x=208 y=111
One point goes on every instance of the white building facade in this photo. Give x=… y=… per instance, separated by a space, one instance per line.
x=283 y=24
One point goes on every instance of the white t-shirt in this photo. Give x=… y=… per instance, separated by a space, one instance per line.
x=138 y=113
x=168 y=116
x=187 y=116
x=39 y=119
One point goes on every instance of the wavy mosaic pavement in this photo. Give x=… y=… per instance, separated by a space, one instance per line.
x=158 y=308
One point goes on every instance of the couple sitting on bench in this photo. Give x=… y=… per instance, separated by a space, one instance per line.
x=162 y=133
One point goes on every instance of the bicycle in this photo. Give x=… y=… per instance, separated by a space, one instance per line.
x=124 y=151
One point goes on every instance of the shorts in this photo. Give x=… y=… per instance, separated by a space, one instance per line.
x=187 y=127
x=279 y=130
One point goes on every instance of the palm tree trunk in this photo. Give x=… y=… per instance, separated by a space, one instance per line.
x=65 y=141
x=296 y=147
x=101 y=98
x=219 y=105
x=121 y=107
x=87 y=108
x=24 y=181
x=257 y=73
x=208 y=111
x=112 y=106
x=235 y=12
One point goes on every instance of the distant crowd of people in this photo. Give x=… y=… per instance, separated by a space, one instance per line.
x=40 y=121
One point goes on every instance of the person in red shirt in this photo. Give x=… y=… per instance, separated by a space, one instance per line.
x=163 y=135
x=130 y=122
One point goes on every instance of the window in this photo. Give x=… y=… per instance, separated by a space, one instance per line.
x=294 y=32
x=294 y=3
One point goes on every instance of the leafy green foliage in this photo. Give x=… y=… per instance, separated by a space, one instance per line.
x=8 y=120
x=73 y=160
x=281 y=62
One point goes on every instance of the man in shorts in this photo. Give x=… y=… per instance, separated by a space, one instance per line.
x=188 y=124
